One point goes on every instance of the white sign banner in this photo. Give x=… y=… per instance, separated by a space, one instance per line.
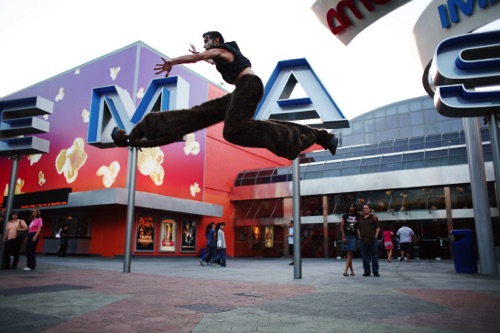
x=347 y=18
x=443 y=19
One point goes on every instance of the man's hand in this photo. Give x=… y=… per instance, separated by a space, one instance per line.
x=165 y=67
x=193 y=49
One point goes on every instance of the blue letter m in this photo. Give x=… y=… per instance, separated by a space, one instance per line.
x=112 y=106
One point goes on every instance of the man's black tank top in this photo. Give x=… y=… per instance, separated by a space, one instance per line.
x=230 y=71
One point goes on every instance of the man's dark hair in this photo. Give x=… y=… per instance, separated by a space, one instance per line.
x=214 y=35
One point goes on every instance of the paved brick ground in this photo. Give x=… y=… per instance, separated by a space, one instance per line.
x=82 y=294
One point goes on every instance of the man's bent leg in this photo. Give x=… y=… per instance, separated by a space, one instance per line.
x=161 y=128
x=281 y=138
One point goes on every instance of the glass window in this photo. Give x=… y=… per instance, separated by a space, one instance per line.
x=357 y=126
x=264 y=176
x=369 y=169
x=356 y=151
x=391 y=163
x=451 y=139
x=417 y=143
x=417 y=118
x=428 y=103
x=381 y=135
x=370 y=165
x=78 y=226
x=485 y=134
x=433 y=140
x=370 y=150
x=400 y=145
x=413 y=156
x=331 y=173
x=282 y=175
x=269 y=208
x=342 y=153
x=461 y=196
x=416 y=105
x=418 y=130
x=430 y=116
x=350 y=167
x=392 y=110
x=458 y=155
x=488 y=157
x=404 y=120
x=370 y=161
x=436 y=158
x=369 y=125
x=313 y=171
x=237 y=181
x=403 y=108
x=247 y=181
x=413 y=160
x=311 y=205
x=392 y=122
x=405 y=132
x=385 y=147
x=380 y=124
x=380 y=113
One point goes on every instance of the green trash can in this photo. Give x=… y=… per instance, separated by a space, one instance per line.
x=464 y=253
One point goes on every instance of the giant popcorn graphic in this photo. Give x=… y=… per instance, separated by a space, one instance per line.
x=60 y=95
x=70 y=160
x=109 y=173
x=85 y=115
x=34 y=158
x=19 y=187
x=195 y=188
x=113 y=72
x=191 y=147
x=41 y=178
x=149 y=163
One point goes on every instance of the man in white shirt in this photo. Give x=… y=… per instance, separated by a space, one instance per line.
x=406 y=238
x=290 y=240
x=221 y=246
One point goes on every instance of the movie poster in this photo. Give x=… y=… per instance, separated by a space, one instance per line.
x=188 y=242
x=269 y=235
x=145 y=233
x=256 y=237
x=168 y=235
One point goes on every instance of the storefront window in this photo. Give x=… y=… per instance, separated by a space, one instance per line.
x=78 y=226
x=461 y=197
x=311 y=206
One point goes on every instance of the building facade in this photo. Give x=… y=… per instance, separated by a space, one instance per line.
x=180 y=188
x=405 y=160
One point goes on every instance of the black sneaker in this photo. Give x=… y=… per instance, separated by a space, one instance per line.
x=376 y=274
x=119 y=137
x=366 y=274
x=334 y=142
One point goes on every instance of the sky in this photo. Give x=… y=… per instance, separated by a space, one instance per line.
x=40 y=39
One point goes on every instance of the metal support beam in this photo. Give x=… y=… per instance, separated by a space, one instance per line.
x=132 y=165
x=297 y=257
x=10 y=197
x=495 y=149
x=484 y=229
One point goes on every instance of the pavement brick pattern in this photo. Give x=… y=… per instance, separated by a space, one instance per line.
x=86 y=294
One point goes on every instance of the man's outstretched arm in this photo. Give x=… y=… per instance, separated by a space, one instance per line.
x=186 y=59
